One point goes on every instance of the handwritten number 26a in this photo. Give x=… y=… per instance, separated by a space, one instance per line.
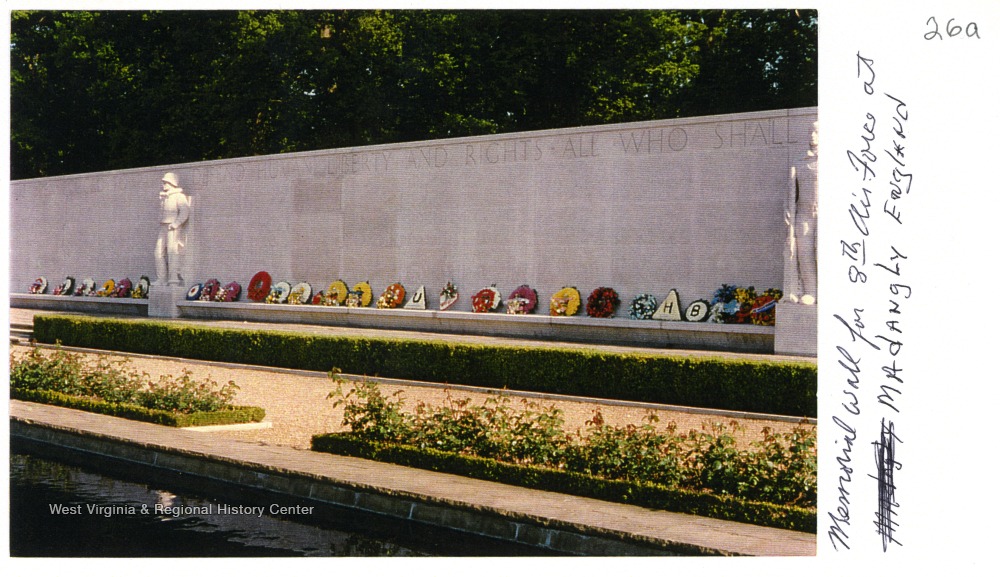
x=971 y=30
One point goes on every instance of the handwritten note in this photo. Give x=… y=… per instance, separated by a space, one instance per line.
x=870 y=360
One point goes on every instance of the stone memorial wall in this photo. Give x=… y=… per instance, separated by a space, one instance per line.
x=685 y=204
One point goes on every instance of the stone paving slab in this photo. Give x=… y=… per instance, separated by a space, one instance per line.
x=439 y=491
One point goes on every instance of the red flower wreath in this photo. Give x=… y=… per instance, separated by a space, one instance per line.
x=486 y=300
x=602 y=302
x=260 y=287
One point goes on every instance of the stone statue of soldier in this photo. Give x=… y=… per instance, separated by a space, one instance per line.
x=801 y=209
x=175 y=208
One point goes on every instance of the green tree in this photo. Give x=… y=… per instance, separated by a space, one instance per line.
x=104 y=90
x=754 y=60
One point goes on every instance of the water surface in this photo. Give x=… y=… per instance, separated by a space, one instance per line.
x=61 y=510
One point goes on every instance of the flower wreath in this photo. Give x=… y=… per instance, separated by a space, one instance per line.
x=449 y=296
x=86 y=288
x=259 y=287
x=360 y=295
x=141 y=289
x=745 y=297
x=300 y=294
x=333 y=296
x=763 y=308
x=123 y=288
x=108 y=289
x=38 y=287
x=742 y=305
x=209 y=290
x=229 y=293
x=522 y=301
x=66 y=288
x=565 y=302
x=194 y=293
x=279 y=293
x=724 y=305
x=697 y=311
x=602 y=302
x=716 y=314
x=392 y=297
x=486 y=300
x=642 y=307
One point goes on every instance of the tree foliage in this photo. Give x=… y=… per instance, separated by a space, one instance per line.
x=106 y=90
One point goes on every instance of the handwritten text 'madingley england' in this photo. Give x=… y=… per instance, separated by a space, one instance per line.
x=869 y=356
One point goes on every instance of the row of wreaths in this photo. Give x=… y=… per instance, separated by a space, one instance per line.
x=730 y=304
x=88 y=288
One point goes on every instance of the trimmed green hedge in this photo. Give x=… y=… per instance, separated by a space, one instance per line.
x=235 y=415
x=785 y=388
x=642 y=494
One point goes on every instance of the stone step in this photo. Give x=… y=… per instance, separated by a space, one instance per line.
x=21 y=332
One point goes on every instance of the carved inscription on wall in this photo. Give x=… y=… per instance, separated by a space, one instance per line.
x=653 y=140
x=598 y=143
x=754 y=133
x=375 y=162
x=503 y=152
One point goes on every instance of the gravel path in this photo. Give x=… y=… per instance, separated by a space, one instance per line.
x=298 y=406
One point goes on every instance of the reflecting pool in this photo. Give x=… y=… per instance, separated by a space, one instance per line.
x=63 y=510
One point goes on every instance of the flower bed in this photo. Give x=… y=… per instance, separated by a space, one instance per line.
x=702 y=472
x=109 y=387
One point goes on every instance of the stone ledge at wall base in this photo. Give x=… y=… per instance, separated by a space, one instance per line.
x=613 y=331
x=795 y=330
x=99 y=305
x=163 y=300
